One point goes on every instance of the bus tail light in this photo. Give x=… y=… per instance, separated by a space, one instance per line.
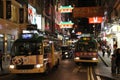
x=77 y=54
x=94 y=54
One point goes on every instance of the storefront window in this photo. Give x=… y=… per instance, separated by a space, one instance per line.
x=1 y=42
x=10 y=40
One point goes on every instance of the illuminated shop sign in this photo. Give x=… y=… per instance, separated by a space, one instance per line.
x=78 y=33
x=95 y=19
x=27 y=36
x=65 y=9
x=31 y=14
x=66 y=24
x=88 y=12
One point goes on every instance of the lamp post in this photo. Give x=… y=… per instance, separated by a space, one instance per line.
x=94 y=29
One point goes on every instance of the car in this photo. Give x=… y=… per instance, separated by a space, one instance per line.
x=66 y=54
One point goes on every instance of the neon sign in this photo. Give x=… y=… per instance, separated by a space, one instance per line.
x=95 y=20
x=65 y=9
x=66 y=24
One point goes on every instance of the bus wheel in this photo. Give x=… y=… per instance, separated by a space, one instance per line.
x=47 y=69
x=95 y=64
x=57 y=64
x=77 y=63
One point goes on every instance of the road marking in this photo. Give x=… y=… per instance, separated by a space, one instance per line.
x=91 y=73
x=76 y=69
x=98 y=78
x=88 y=73
x=79 y=69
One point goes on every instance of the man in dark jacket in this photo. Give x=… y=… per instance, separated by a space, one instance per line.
x=1 y=60
x=113 y=61
x=118 y=60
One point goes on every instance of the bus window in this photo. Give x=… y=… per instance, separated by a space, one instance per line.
x=29 y=48
x=47 y=50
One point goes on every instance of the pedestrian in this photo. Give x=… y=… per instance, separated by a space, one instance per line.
x=1 y=60
x=108 y=51
x=118 y=60
x=113 y=60
x=103 y=50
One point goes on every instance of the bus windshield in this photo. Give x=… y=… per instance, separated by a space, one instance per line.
x=23 y=48
x=86 y=46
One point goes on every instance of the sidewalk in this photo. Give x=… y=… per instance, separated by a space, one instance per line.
x=5 y=67
x=106 y=71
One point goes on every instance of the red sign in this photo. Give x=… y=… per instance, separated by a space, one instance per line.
x=88 y=12
x=95 y=20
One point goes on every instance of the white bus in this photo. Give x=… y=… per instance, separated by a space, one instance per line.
x=32 y=53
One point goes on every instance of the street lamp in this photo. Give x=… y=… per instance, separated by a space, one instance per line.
x=94 y=29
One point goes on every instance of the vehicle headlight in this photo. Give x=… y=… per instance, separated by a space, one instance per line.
x=12 y=66
x=66 y=52
x=94 y=58
x=77 y=58
x=67 y=56
x=39 y=65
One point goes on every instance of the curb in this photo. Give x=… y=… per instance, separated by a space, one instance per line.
x=104 y=61
x=106 y=77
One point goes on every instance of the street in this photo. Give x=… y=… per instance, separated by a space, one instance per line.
x=67 y=70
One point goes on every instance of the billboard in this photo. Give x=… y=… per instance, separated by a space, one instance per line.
x=31 y=14
x=95 y=19
x=88 y=12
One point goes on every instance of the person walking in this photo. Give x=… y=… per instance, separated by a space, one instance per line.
x=103 y=50
x=1 y=60
x=118 y=60
x=108 y=51
x=113 y=59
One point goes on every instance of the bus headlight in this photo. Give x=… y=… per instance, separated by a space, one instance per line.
x=77 y=58
x=11 y=66
x=39 y=65
x=94 y=58
x=66 y=53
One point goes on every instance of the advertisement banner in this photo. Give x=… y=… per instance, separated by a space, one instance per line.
x=88 y=12
x=95 y=19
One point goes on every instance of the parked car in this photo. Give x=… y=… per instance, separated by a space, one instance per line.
x=66 y=54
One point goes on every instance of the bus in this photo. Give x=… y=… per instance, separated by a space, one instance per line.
x=86 y=50
x=34 y=53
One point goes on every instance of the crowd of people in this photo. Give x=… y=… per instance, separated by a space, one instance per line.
x=115 y=57
x=115 y=68
x=106 y=49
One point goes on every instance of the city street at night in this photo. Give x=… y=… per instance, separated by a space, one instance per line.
x=59 y=39
x=68 y=70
